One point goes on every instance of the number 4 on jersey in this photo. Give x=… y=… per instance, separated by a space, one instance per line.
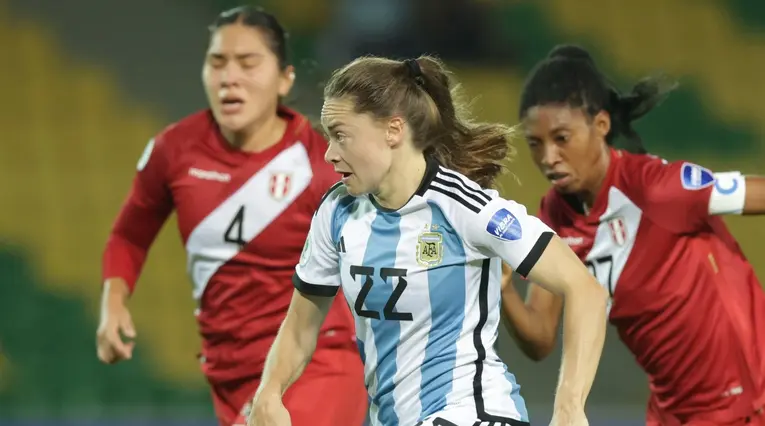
x=235 y=229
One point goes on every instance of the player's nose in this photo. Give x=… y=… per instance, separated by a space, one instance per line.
x=331 y=156
x=550 y=154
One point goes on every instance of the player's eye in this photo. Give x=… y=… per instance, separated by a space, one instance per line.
x=249 y=63
x=216 y=62
x=561 y=138
x=532 y=142
x=340 y=137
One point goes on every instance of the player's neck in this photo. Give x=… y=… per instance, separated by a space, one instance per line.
x=600 y=170
x=260 y=135
x=402 y=182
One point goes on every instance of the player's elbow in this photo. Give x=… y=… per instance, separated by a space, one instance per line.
x=536 y=344
x=539 y=350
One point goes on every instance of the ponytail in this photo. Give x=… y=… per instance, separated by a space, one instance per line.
x=647 y=94
x=476 y=150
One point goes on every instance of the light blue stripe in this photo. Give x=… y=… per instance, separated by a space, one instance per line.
x=515 y=395
x=340 y=216
x=381 y=253
x=446 y=289
x=362 y=350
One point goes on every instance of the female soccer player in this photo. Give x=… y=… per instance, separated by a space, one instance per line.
x=416 y=243
x=245 y=177
x=683 y=296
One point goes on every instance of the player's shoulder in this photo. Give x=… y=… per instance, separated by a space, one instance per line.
x=188 y=130
x=332 y=197
x=551 y=208
x=454 y=191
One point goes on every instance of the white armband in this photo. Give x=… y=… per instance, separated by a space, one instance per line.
x=728 y=194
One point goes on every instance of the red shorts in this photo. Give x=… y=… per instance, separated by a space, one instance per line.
x=330 y=392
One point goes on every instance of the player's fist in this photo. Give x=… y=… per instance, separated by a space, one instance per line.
x=268 y=411
x=569 y=417
x=115 y=324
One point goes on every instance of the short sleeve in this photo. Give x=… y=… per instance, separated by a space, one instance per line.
x=504 y=229
x=318 y=273
x=674 y=195
x=150 y=187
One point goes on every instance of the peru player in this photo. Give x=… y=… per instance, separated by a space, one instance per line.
x=245 y=178
x=684 y=299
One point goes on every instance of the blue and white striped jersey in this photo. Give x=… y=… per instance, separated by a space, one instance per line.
x=424 y=285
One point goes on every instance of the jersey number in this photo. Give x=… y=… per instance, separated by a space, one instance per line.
x=235 y=229
x=388 y=310
x=602 y=267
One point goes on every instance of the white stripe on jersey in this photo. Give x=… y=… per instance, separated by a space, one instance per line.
x=206 y=247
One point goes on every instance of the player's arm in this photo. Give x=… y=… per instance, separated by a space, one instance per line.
x=317 y=281
x=754 y=195
x=534 y=251
x=533 y=324
x=681 y=195
x=142 y=215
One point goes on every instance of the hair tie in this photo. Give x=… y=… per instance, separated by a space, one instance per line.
x=415 y=71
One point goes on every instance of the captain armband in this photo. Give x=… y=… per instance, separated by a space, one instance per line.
x=728 y=194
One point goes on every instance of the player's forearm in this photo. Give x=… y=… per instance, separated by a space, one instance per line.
x=115 y=290
x=584 y=329
x=530 y=330
x=754 y=201
x=294 y=344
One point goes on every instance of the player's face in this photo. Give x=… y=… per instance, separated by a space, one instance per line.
x=567 y=145
x=242 y=77
x=358 y=147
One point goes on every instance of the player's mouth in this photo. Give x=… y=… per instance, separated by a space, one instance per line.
x=559 y=179
x=231 y=104
x=345 y=176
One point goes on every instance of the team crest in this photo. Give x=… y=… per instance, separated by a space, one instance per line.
x=618 y=229
x=430 y=249
x=279 y=185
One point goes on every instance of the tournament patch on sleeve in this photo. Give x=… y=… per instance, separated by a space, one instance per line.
x=504 y=226
x=694 y=177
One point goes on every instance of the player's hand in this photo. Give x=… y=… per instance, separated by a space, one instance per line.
x=569 y=416
x=115 y=323
x=268 y=411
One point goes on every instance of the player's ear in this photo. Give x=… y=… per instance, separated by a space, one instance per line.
x=602 y=124
x=287 y=80
x=394 y=134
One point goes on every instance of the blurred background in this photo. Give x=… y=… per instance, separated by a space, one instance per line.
x=85 y=83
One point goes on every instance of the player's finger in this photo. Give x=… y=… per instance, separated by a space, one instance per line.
x=127 y=327
x=105 y=354
x=120 y=349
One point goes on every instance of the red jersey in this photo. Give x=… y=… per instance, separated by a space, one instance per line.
x=243 y=218
x=684 y=299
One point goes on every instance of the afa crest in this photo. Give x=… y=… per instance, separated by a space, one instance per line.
x=430 y=249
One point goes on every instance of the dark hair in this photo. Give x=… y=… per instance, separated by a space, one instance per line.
x=569 y=76
x=422 y=91
x=256 y=17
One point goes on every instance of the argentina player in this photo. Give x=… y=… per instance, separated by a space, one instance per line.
x=417 y=244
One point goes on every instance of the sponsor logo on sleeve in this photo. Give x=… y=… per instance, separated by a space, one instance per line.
x=694 y=177
x=504 y=226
